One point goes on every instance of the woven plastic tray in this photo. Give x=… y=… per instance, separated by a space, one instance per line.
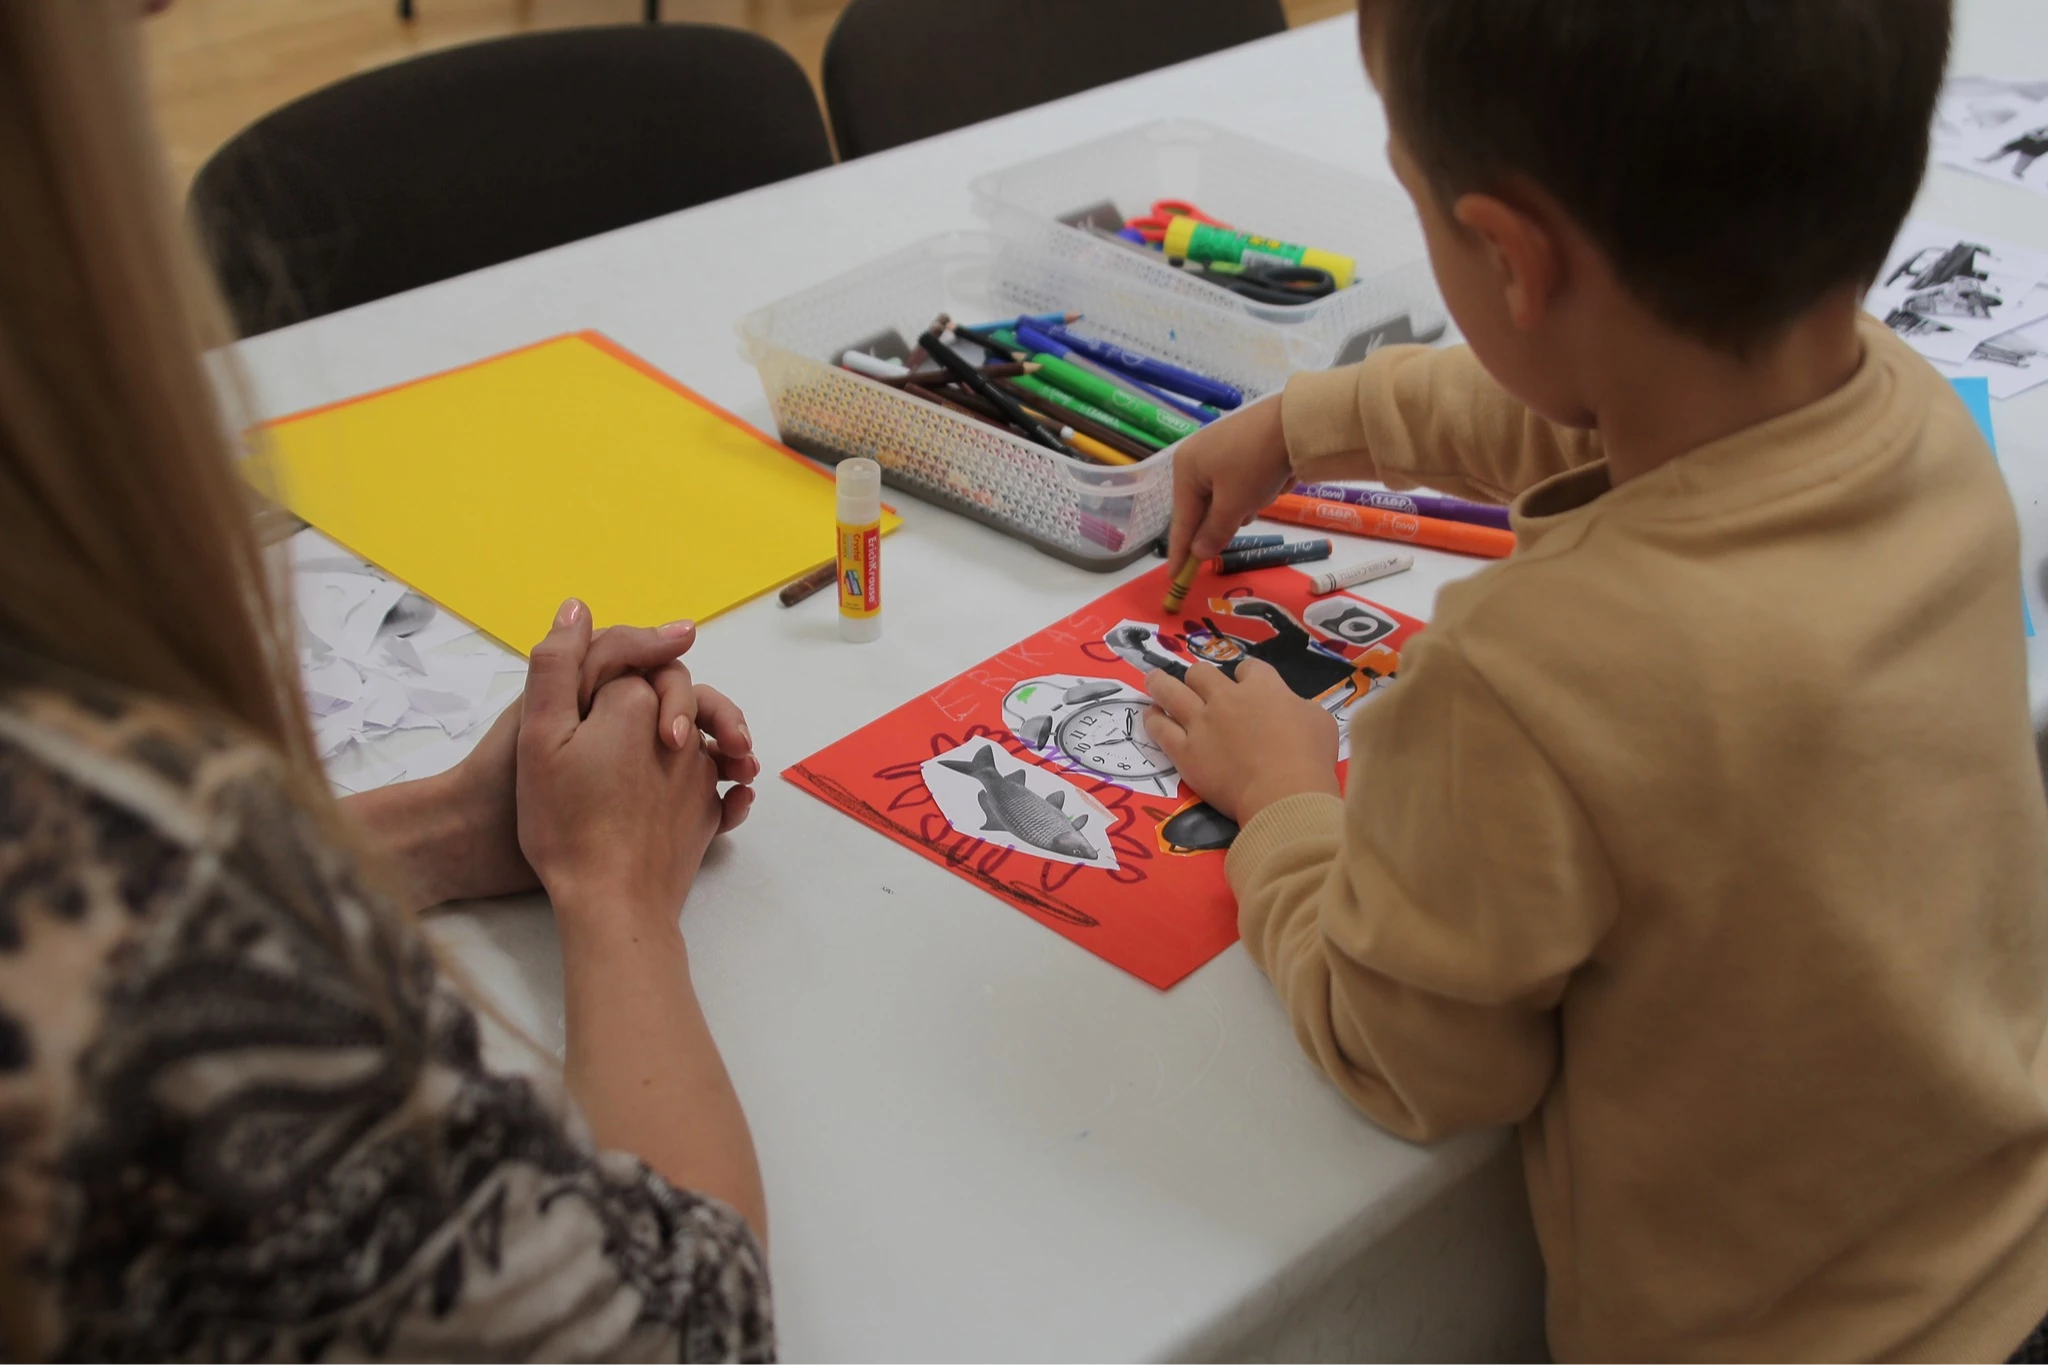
x=1091 y=515
x=1249 y=184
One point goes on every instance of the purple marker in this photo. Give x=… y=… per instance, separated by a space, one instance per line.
x=1414 y=504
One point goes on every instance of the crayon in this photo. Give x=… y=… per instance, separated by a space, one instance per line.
x=1252 y=543
x=1457 y=536
x=1157 y=373
x=1384 y=567
x=971 y=377
x=809 y=583
x=1163 y=423
x=1300 y=552
x=1414 y=504
x=1177 y=591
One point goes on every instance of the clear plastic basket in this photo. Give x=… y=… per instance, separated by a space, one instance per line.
x=1249 y=184
x=1091 y=515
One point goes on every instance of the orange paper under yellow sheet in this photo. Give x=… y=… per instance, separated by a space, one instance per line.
x=567 y=468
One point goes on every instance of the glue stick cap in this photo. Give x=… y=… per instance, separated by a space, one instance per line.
x=859 y=483
x=1179 y=232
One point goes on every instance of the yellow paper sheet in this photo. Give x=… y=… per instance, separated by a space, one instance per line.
x=567 y=468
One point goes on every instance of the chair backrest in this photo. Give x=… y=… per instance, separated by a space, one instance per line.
x=899 y=70
x=463 y=158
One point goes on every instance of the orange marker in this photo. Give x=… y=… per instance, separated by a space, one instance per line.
x=1488 y=541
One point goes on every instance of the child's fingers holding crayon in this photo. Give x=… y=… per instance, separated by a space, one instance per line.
x=1222 y=476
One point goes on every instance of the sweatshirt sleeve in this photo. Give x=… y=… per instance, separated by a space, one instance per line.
x=1421 y=930
x=1411 y=416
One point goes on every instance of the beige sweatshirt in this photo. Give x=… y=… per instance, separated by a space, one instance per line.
x=1703 y=838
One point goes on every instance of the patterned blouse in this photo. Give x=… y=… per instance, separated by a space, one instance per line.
x=243 y=1117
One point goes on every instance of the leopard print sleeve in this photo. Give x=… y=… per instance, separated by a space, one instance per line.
x=243 y=1116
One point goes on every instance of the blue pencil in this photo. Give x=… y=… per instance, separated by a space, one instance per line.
x=1157 y=372
x=1010 y=324
x=1041 y=339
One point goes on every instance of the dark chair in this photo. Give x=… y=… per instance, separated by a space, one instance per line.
x=899 y=70
x=650 y=10
x=459 y=159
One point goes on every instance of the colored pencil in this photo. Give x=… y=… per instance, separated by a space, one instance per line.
x=1080 y=417
x=1071 y=407
x=1458 y=536
x=972 y=378
x=808 y=583
x=1036 y=341
x=973 y=405
x=1157 y=373
x=1163 y=423
x=937 y=399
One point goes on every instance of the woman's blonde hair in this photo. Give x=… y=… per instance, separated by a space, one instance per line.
x=128 y=548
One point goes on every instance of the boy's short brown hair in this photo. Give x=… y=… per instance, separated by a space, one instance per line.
x=1735 y=159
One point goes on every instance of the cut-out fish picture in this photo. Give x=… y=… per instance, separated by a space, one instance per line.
x=1026 y=808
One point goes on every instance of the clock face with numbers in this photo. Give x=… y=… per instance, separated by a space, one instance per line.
x=1108 y=737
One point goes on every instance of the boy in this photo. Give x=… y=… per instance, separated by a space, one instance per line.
x=1703 y=836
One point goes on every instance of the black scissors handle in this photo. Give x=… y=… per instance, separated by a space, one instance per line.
x=1277 y=284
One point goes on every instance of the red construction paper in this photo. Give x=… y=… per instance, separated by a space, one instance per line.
x=1158 y=913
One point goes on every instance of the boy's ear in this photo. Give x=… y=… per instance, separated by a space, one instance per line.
x=1524 y=253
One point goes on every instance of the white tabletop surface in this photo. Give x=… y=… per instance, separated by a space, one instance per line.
x=980 y=1141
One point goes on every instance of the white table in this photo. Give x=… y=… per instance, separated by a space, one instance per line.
x=981 y=1141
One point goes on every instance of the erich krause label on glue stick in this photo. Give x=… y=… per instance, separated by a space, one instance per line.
x=860 y=549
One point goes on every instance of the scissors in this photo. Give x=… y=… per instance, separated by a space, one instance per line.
x=1277 y=284
x=1153 y=226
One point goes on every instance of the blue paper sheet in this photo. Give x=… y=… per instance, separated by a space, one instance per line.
x=1976 y=396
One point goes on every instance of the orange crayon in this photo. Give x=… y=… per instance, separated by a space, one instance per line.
x=1488 y=541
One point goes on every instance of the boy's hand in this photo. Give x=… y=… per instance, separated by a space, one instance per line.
x=1245 y=744
x=1222 y=476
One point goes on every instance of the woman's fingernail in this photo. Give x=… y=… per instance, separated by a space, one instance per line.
x=746 y=736
x=681 y=730
x=571 y=609
x=676 y=630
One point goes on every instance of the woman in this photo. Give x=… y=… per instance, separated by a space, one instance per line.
x=244 y=1112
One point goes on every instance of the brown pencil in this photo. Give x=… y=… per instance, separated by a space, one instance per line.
x=808 y=583
x=1066 y=416
x=940 y=400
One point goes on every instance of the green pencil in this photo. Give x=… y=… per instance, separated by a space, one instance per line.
x=1139 y=412
x=1032 y=384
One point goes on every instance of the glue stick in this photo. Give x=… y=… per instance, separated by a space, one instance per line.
x=1189 y=240
x=860 y=550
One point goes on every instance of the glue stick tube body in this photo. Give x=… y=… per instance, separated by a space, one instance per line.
x=1190 y=240
x=859 y=484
